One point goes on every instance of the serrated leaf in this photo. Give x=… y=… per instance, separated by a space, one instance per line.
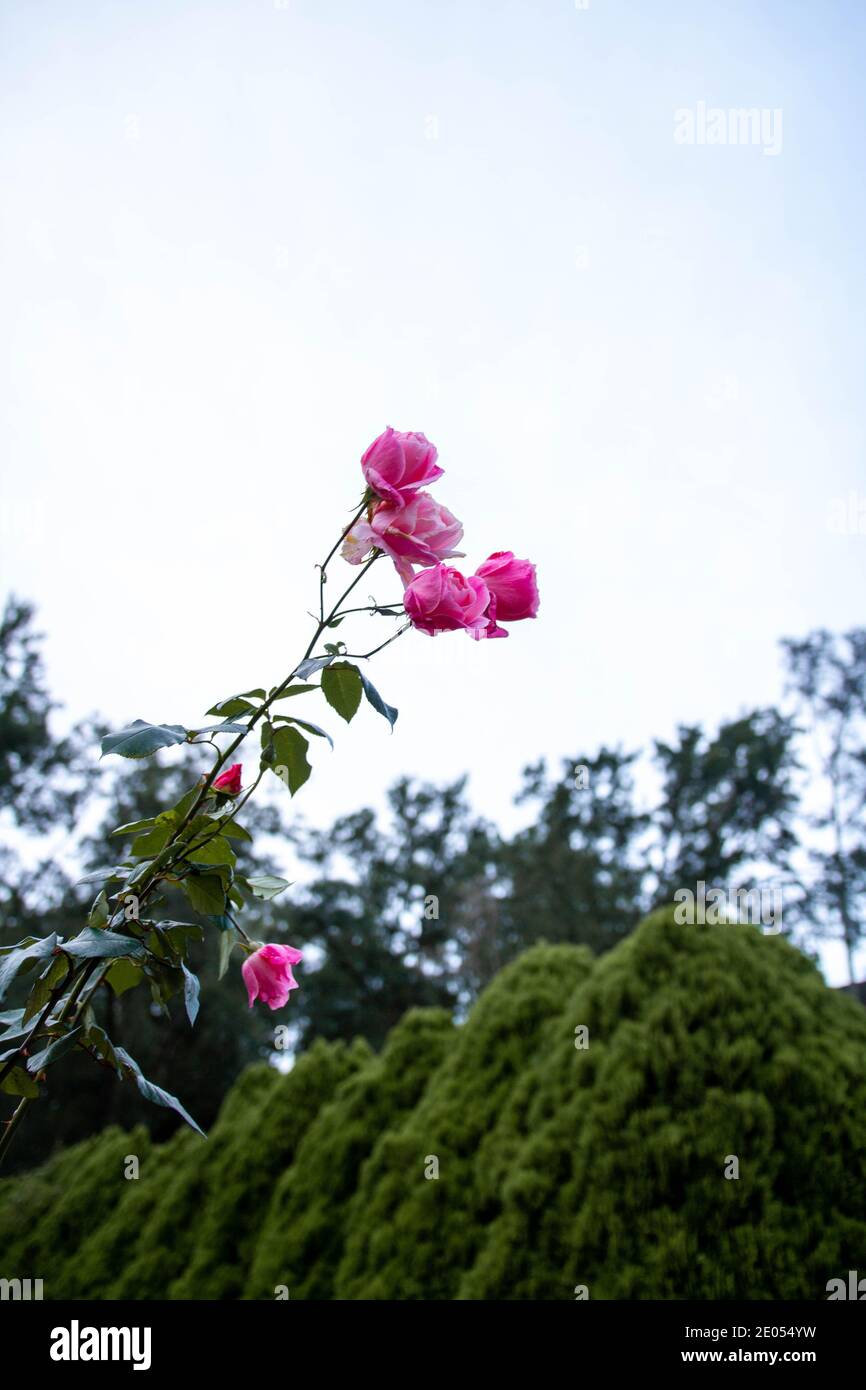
x=341 y=684
x=387 y=711
x=140 y=739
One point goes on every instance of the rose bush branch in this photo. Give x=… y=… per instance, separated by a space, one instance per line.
x=189 y=846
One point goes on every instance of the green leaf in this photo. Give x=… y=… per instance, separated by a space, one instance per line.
x=140 y=739
x=53 y=1051
x=18 y=1083
x=237 y=704
x=228 y=726
x=103 y=875
x=155 y=1093
x=44 y=987
x=267 y=886
x=216 y=851
x=123 y=975
x=190 y=993
x=101 y=945
x=233 y=831
x=152 y=842
x=22 y=956
x=292 y=690
x=305 y=724
x=290 y=754
x=133 y=826
x=375 y=699
x=179 y=935
x=205 y=892
x=314 y=664
x=232 y=707
x=137 y=872
x=98 y=915
x=341 y=683
x=228 y=940
x=97 y=1040
x=12 y=1022
x=180 y=808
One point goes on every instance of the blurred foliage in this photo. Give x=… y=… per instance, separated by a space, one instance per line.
x=559 y=1165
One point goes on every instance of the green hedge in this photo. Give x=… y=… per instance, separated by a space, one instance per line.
x=498 y=1160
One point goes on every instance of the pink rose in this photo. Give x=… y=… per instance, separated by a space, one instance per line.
x=268 y=974
x=229 y=783
x=512 y=584
x=420 y=532
x=398 y=463
x=442 y=599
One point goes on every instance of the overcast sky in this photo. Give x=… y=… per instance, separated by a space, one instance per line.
x=239 y=238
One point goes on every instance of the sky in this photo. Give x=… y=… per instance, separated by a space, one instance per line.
x=238 y=239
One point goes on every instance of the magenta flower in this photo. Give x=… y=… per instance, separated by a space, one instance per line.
x=229 y=783
x=268 y=974
x=398 y=463
x=512 y=584
x=442 y=599
x=420 y=532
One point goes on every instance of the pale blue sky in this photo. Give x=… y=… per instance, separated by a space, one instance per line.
x=240 y=238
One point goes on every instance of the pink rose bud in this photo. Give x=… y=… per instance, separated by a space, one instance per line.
x=229 y=783
x=420 y=532
x=513 y=585
x=444 y=600
x=268 y=974
x=398 y=463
